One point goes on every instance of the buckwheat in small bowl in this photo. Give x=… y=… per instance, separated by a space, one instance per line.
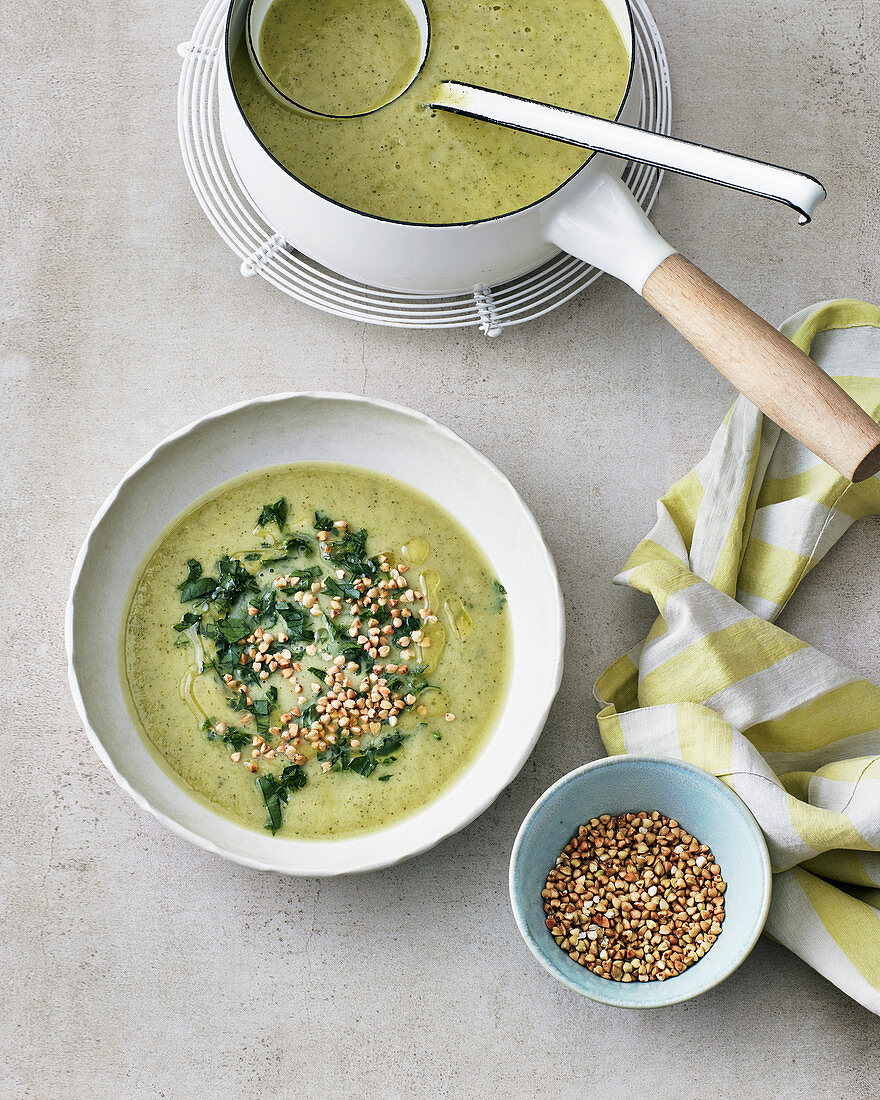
x=640 y=881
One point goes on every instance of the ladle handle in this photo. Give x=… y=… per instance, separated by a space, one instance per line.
x=796 y=189
x=766 y=367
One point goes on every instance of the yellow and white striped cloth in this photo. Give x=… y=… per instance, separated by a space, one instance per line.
x=794 y=732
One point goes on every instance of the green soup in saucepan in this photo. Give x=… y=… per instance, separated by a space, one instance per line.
x=316 y=649
x=407 y=163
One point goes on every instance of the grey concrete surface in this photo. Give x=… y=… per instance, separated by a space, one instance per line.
x=137 y=966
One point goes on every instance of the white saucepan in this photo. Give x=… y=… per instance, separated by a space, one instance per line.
x=592 y=216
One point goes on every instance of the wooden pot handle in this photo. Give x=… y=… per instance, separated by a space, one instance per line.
x=766 y=367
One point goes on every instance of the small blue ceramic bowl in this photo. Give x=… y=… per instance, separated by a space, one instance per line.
x=704 y=806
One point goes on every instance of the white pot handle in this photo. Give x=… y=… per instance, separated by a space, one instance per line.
x=606 y=227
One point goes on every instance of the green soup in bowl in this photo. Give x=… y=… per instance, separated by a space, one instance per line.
x=317 y=649
x=411 y=493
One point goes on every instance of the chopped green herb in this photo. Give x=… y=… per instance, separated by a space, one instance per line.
x=297 y=544
x=335 y=633
x=350 y=553
x=406 y=685
x=236 y=702
x=341 y=588
x=309 y=714
x=267 y=607
x=293 y=777
x=228 y=660
x=236 y=739
x=233 y=583
x=232 y=630
x=363 y=765
x=296 y=619
x=194 y=572
x=500 y=595
x=261 y=709
x=323 y=522
x=306 y=576
x=339 y=757
x=276 y=791
x=292 y=546
x=365 y=762
x=354 y=654
x=389 y=744
x=274 y=513
x=199 y=589
x=189 y=619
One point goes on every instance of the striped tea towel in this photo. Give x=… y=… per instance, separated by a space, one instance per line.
x=795 y=733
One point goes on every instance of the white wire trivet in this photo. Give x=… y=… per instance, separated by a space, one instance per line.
x=264 y=252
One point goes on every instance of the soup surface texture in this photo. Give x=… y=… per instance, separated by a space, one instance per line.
x=339 y=57
x=410 y=164
x=316 y=649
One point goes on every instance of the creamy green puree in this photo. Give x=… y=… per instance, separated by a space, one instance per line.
x=409 y=164
x=316 y=649
x=339 y=57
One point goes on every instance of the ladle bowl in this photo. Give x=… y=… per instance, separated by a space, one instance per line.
x=593 y=216
x=257 y=10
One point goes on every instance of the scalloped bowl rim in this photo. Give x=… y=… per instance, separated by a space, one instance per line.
x=344 y=855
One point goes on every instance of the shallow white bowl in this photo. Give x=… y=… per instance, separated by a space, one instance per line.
x=296 y=428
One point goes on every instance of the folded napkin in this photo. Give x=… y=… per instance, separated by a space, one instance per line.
x=794 y=732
